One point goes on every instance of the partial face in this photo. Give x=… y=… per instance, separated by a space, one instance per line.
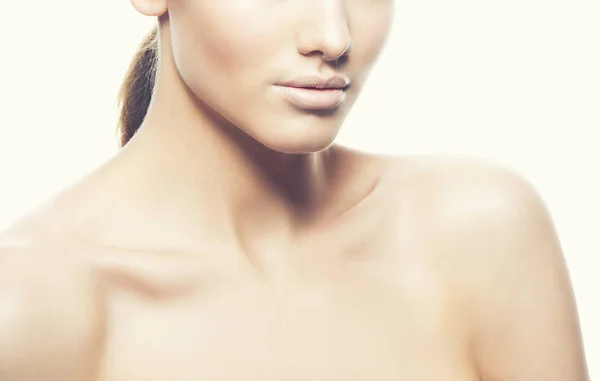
x=246 y=58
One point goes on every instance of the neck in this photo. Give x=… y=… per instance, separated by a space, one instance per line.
x=221 y=166
x=206 y=171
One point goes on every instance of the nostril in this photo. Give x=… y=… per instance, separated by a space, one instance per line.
x=340 y=61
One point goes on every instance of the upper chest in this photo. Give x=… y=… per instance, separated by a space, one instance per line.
x=342 y=320
x=368 y=301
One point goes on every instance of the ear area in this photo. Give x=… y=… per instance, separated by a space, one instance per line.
x=150 y=7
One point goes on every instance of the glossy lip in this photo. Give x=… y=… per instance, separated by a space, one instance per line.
x=317 y=82
x=314 y=92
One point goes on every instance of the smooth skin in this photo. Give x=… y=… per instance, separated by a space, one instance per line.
x=230 y=239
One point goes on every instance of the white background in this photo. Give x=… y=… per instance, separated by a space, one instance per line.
x=517 y=81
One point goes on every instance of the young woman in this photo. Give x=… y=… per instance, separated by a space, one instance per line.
x=230 y=239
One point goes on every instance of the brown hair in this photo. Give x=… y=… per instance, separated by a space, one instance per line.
x=137 y=88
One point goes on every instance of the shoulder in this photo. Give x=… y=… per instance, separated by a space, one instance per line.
x=460 y=200
x=464 y=202
x=483 y=218
x=461 y=196
x=451 y=183
x=495 y=240
x=50 y=312
x=482 y=214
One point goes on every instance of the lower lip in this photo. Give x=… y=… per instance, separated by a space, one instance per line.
x=313 y=99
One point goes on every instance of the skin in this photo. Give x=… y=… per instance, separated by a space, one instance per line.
x=230 y=239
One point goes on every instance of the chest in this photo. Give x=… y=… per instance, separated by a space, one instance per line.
x=349 y=326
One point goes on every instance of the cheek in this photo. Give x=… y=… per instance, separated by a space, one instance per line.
x=223 y=54
x=221 y=39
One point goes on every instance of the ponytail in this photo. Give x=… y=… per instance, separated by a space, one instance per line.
x=137 y=88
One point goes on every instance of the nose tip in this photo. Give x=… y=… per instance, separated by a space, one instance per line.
x=332 y=51
x=328 y=36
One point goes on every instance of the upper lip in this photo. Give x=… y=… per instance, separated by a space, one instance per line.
x=316 y=82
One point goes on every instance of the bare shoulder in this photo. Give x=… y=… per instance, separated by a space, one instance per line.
x=494 y=236
x=50 y=313
x=462 y=194
x=482 y=210
x=449 y=181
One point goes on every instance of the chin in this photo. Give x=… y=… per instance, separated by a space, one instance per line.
x=300 y=142
x=300 y=148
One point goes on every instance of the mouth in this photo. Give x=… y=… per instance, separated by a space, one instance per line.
x=315 y=93
x=311 y=98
